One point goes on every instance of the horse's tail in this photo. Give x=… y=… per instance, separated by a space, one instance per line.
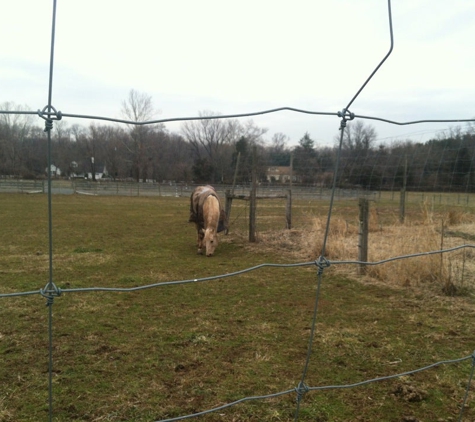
x=193 y=216
x=223 y=221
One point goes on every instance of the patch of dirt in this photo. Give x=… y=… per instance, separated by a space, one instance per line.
x=409 y=393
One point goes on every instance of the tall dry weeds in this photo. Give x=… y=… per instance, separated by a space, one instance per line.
x=440 y=271
x=427 y=212
x=452 y=273
x=402 y=240
x=455 y=217
x=339 y=233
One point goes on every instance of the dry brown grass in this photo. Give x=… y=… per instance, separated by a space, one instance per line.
x=452 y=273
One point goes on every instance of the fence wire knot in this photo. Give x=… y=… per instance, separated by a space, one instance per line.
x=322 y=263
x=50 y=292
x=301 y=390
x=345 y=116
x=46 y=115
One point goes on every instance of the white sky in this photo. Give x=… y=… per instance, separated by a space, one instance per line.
x=244 y=56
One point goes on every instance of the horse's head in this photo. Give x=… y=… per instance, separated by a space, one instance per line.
x=211 y=241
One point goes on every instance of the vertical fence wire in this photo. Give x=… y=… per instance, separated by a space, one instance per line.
x=467 y=389
x=50 y=287
x=345 y=116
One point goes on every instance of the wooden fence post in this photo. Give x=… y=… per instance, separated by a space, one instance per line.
x=402 y=206
x=252 y=198
x=363 y=234
x=402 y=199
x=288 y=210
x=227 y=207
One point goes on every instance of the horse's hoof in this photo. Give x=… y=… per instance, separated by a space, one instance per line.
x=200 y=252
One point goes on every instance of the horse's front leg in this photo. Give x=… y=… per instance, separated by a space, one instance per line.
x=201 y=235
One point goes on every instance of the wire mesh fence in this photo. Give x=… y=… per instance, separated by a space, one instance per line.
x=376 y=175
x=305 y=193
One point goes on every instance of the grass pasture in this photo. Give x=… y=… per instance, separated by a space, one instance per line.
x=174 y=350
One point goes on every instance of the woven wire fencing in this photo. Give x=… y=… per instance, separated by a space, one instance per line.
x=51 y=292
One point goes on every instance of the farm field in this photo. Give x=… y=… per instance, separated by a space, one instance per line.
x=174 y=350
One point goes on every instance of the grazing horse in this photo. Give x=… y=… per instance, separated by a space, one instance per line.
x=206 y=213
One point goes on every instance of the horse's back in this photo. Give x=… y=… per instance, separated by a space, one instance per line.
x=211 y=212
x=198 y=196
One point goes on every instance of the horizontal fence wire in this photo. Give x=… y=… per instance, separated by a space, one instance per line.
x=59 y=116
x=51 y=291
x=49 y=114
x=321 y=264
x=303 y=389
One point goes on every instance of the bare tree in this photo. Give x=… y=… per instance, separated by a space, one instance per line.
x=94 y=143
x=139 y=108
x=63 y=152
x=357 y=167
x=113 y=149
x=358 y=136
x=208 y=139
x=253 y=133
x=90 y=144
x=14 y=130
x=171 y=159
x=212 y=141
x=208 y=135
x=35 y=153
x=277 y=153
x=279 y=141
x=470 y=128
x=79 y=137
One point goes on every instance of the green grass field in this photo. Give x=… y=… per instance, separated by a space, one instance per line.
x=175 y=350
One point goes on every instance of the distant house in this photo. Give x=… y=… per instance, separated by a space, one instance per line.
x=100 y=173
x=55 y=171
x=280 y=174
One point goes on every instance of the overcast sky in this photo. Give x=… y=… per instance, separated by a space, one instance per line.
x=237 y=57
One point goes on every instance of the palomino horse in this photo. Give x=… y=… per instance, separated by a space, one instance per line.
x=206 y=213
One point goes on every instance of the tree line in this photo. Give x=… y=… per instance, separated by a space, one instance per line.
x=214 y=150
